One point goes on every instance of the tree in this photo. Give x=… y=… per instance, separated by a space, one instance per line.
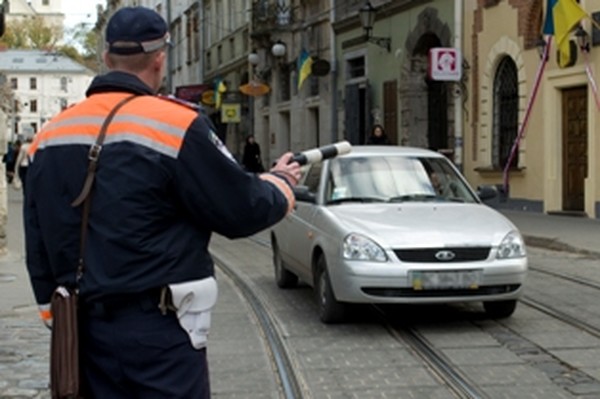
x=31 y=33
x=79 y=43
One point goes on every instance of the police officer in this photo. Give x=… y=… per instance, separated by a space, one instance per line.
x=164 y=183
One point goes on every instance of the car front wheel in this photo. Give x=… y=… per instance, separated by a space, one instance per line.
x=330 y=310
x=283 y=277
x=500 y=309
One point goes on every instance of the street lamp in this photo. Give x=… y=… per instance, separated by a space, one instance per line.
x=278 y=49
x=541 y=47
x=583 y=39
x=367 y=19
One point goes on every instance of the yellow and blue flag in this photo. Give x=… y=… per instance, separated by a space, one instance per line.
x=304 y=65
x=562 y=16
x=219 y=89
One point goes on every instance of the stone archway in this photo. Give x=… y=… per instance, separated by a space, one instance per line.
x=418 y=96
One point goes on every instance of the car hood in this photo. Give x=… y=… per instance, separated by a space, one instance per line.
x=425 y=225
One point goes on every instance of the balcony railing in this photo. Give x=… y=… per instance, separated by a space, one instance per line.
x=269 y=16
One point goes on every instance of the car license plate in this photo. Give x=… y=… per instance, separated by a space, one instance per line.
x=447 y=279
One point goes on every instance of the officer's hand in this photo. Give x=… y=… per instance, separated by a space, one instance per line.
x=289 y=171
x=46 y=315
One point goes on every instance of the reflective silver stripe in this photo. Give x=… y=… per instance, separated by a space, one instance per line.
x=112 y=139
x=152 y=123
x=128 y=118
x=78 y=120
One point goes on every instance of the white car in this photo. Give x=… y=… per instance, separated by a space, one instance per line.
x=387 y=224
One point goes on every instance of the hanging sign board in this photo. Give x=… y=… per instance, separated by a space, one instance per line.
x=445 y=63
x=230 y=113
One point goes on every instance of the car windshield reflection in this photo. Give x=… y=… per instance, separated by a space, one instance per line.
x=395 y=179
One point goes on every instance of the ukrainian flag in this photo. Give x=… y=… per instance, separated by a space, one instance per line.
x=562 y=16
x=304 y=65
x=219 y=89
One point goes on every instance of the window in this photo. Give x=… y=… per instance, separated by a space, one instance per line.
x=14 y=83
x=232 y=47
x=33 y=83
x=33 y=106
x=506 y=113
x=63 y=83
x=355 y=67
x=313 y=177
x=314 y=85
x=188 y=38
x=285 y=88
x=45 y=2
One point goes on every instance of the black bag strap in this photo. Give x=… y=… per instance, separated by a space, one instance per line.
x=84 y=197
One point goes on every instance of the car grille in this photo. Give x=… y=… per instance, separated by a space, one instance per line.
x=409 y=292
x=428 y=255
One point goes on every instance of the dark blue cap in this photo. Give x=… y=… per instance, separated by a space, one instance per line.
x=133 y=30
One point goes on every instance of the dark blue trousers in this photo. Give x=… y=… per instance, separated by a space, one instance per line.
x=136 y=352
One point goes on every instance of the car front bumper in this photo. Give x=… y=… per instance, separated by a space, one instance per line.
x=391 y=282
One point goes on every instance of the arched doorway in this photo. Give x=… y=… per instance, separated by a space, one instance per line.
x=426 y=107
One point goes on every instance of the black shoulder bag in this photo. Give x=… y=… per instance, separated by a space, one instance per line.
x=65 y=376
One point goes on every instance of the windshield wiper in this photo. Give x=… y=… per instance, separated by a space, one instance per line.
x=354 y=199
x=413 y=197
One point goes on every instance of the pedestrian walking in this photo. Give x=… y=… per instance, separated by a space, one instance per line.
x=164 y=183
x=377 y=136
x=251 y=158
x=22 y=164
x=10 y=158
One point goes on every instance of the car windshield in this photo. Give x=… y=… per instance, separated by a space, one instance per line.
x=394 y=179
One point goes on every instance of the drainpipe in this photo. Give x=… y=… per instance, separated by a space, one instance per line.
x=333 y=76
x=458 y=116
x=201 y=42
x=169 y=53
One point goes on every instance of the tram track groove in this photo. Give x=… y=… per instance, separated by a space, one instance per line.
x=284 y=368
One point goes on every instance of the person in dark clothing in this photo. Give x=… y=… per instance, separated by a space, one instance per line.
x=377 y=136
x=251 y=158
x=10 y=159
x=164 y=184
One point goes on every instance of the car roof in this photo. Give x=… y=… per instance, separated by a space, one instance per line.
x=374 y=150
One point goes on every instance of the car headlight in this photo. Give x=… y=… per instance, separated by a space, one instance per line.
x=512 y=246
x=357 y=247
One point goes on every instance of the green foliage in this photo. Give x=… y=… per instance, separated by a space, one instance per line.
x=31 y=33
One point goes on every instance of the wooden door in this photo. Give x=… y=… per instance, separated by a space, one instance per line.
x=390 y=110
x=575 y=151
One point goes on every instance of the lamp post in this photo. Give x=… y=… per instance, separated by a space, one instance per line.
x=541 y=47
x=583 y=39
x=367 y=19
x=278 y=50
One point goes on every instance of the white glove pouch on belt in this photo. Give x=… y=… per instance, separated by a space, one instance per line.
x=194 y=301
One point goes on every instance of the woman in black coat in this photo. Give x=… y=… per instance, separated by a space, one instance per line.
x=378 y=136
x=251 y=158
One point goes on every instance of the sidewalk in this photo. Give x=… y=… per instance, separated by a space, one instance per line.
x=562 y=233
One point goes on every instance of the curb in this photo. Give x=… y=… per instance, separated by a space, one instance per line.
x=554 y=244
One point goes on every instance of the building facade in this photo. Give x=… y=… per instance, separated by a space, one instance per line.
x=42 y=84
x=515 y=91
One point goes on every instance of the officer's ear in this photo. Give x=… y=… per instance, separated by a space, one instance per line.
x=107 y=60
x=159 y=60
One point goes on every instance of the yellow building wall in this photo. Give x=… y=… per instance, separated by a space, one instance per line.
x=538 y=183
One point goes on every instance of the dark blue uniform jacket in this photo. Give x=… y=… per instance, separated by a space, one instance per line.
x=164 y=183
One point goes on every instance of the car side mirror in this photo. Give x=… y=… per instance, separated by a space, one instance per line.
x=303 y=194
x=486 y=192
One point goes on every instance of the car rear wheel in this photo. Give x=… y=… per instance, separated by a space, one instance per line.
x=500 y=309
x=283 y=277
x=330 y=310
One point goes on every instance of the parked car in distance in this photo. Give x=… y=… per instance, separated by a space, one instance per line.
x=397 y=225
